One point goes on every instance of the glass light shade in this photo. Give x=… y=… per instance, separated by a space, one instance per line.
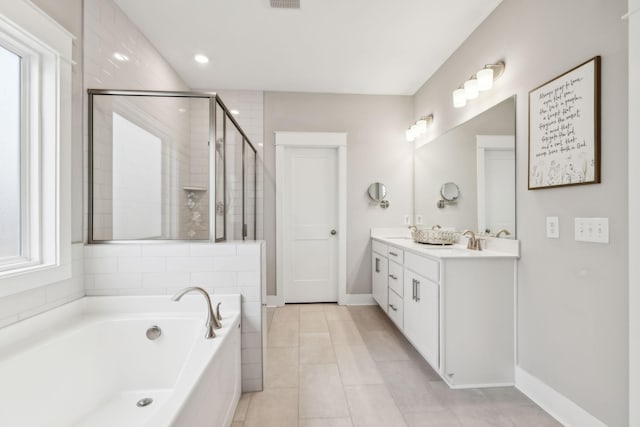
x=409 y=135
x=422 y=126
x=459 y=98
x=471 y=89
x=485 y=79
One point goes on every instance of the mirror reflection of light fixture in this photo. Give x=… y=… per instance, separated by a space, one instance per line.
x=419 y=128
x=482 y=81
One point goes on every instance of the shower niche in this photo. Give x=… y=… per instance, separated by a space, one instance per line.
x=168 y=166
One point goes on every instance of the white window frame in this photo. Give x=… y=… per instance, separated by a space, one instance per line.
x=45 y=49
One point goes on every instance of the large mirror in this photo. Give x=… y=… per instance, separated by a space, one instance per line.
x=479 y=157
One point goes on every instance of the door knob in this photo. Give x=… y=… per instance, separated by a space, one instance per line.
x=333 y=232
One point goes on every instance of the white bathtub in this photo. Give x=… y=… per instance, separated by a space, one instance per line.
x=89 y=362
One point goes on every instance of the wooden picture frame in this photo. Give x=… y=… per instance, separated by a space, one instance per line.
x=564 y=129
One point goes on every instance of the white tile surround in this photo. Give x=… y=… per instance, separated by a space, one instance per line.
x=162 y=269
x=14 y=308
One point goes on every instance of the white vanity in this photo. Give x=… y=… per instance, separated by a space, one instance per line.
x=456 y=306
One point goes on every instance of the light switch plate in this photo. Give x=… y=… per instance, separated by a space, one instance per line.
x=553 y=227
x=594 y=230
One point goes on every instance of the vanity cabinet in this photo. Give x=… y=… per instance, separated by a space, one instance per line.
x=457 y=309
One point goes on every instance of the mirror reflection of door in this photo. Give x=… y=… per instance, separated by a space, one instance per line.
x=496 y=186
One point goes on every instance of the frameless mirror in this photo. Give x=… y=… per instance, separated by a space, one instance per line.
x=450 y=191
x=377 y=191
x=479 y=157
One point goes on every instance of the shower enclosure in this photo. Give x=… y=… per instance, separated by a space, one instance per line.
x=168 y=166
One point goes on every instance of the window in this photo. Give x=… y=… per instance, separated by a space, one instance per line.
x=35 y=132
x=11 y=232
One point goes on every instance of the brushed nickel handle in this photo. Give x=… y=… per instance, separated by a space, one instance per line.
x=377 y=265
x=413 y=295
x=393 y=307
x=417 y=290
x=393 y=253
x=393 y=277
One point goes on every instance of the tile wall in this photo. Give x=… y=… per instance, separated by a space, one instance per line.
x=157 y=269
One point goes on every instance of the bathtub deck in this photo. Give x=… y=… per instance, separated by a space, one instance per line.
x=121 y=410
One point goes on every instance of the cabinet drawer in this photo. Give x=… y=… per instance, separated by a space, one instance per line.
x=395 y=254
x=395 y=277
x=378 y=247
x=396 y=309
x=425 y=267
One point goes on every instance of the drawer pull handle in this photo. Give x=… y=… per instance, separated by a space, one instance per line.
x=413 y=295
x=393 y=253
x=417 y=290
x=393 y=307
x=377 y=265
x=393 y=277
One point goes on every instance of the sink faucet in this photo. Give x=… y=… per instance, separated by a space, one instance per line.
x=212 y=320
x=473 y=242
x=503 y=231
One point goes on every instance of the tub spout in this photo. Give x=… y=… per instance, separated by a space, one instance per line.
x=212 y=321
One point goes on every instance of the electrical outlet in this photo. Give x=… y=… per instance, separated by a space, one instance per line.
x=594 y=230
x=418 y=219
x=553 y=227
x=407 y=220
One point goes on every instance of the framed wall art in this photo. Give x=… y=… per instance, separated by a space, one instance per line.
x=564 y=129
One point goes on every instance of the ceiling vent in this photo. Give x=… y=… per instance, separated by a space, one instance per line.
x=285 y=4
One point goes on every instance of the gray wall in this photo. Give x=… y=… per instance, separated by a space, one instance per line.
x=572 y=296
x=376 y=151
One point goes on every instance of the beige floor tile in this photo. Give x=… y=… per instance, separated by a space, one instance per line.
x=344 y=332
x=481 y=415
x=372 y=320
x=321 y=392
x=283 y=334
x=336 y=312
x=529 y=416
x=373 y=406
x=288 y=313
x=237 y=424
x=270 y=312
x=282 y=367
x=409 y=387
x=385 y=346
x=243 y=405
x=308 y=308
x=437 y=418
x=273 y=408
x=316 y=348
x=356 y=365
x=313 y=321
x=325 y=422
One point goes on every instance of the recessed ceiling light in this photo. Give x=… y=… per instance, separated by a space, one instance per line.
x=182 y=110
x=235 y=112
x=201 y=59
x=121 y=57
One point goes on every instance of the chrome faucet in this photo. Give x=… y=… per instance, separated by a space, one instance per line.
x=503 y=231
x=212 y=320
x=473 y=242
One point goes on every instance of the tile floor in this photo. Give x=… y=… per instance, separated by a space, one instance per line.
x=336 y=366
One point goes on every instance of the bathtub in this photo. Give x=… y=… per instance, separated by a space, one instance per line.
x=89 y=363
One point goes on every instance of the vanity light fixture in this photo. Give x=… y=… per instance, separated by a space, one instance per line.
x=201 y=59
x=419 y=128
x=480 y=82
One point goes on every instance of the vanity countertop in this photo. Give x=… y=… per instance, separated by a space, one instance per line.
x=496 y=248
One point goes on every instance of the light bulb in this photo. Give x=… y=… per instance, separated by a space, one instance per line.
x=485 y=79
x=409 y=135
x=471 y=89
x=459 y=98
x=422 y=126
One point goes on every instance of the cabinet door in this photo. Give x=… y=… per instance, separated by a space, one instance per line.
x=379 y=275
x=422 y=316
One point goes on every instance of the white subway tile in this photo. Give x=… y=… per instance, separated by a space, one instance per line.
x=249 y=248
x=251 y=385
x=165 y=280
x=238 y=263
x=251 y=308
x=192 y=264
x=249 y=278
x=212 y=249
x=118 y=280
x=250 y=293
x=113 y=250
x=142 y=264
x=100 y=265
x=214 y=279
x=168 y=250
x=251 y=340
x=251 y=371
x=251 y=324
x=251 y=355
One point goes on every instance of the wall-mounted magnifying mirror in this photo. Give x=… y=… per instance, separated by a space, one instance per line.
x=377 y=191
x=450 y=191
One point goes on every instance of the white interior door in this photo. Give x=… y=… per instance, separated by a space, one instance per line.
x=310 y=225
x=496 y=183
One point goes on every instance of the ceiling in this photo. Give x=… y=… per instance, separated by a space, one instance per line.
x=330 y=46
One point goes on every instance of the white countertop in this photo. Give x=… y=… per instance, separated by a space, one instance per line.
x=401 y=238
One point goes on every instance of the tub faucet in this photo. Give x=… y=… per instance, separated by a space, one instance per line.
x=212 y=320
x=473 y=242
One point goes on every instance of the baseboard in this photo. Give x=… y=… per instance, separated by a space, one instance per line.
x=274 y=301
x=558 y=406
x=359 y=299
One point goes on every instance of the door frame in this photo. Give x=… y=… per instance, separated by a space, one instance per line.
x=337 y=140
